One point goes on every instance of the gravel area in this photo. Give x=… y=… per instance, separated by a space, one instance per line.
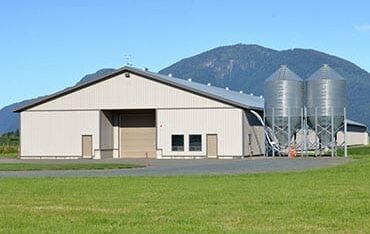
x=158 y=167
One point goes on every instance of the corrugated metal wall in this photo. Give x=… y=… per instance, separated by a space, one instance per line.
x=57 y=133
x=106 y=134
x=226 y=123
x=128 y=93
x=254 y=135
x=354 y=138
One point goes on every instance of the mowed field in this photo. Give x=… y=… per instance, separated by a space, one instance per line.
x=324 y=200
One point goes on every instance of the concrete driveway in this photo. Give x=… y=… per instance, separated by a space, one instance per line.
x=181 y=167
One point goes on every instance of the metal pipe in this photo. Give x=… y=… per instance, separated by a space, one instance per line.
x=289 y=129
x=269 y=141
x=273 y=128
x=302 y=130
x=316 y=132
x=345 y=132
x=264 y=128
x=305 y=126
x=332 y=132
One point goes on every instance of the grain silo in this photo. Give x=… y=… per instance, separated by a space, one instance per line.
x=283 y=92
x=325 y=102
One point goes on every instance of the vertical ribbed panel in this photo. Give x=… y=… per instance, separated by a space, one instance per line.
x=283 y=93
x=326 y=97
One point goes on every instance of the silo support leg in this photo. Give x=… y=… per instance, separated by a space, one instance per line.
x=345 y=133
x=333 y=143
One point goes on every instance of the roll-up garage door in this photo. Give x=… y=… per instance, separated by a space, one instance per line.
x=138 y=134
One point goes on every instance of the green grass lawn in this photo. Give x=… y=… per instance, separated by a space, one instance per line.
x=13 y=155
x=331 y=200
x=8 y=151
x=34 y=166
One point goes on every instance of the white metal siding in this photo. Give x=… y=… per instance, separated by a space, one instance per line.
x=311 y=137
x=226 y=123
x=255 y=135
x=57 y=133
x=354 y=138
x=106 y=130
x=128 y=93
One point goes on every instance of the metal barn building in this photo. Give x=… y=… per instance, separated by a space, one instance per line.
x=135 y=113
x=357 y=134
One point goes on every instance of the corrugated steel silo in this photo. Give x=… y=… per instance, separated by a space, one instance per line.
x=284 y=101
x=325 y=102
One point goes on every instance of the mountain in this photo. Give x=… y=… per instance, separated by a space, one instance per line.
x=245 y=67
x=95 y=75
x=9 y=121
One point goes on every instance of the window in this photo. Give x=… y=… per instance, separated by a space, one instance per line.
x=177 y=142
x=195 y=142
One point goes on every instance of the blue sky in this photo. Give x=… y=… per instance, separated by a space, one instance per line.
x=48 y=45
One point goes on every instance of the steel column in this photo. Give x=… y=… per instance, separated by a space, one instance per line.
x=273 y=129
x=333 y=143
x=345 y=132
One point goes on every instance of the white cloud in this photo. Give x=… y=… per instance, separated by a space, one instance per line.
x=363 y=27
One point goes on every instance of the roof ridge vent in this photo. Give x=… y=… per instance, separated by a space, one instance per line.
x=170 y=75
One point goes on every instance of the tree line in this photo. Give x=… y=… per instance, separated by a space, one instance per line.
x=11 y=134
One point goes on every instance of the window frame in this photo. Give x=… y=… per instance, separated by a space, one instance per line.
x=201 y=143
x=173 y=147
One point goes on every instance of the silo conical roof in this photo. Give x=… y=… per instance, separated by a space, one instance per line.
x=284 y=73
x=326 y=72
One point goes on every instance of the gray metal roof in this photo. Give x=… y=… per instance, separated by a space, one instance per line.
x=230 y=97
x=351 y=122
x=326 y=72
x=284 y=73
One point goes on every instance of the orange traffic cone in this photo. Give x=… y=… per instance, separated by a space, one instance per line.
x=292 y=152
